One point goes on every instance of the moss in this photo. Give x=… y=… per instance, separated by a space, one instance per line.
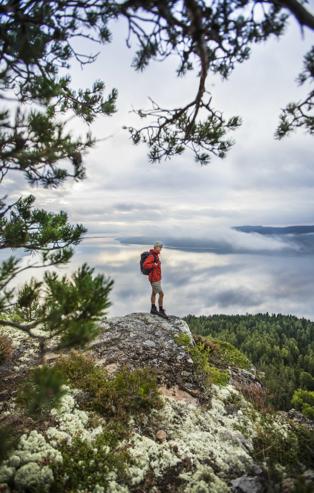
x=200 y=354
x=126 y=393
x=87 y=464
x=217 y=376
x=224 y=354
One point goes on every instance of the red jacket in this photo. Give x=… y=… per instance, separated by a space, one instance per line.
x=152 y=261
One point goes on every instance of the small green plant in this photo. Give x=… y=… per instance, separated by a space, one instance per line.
x=182 y=339
x=305 y=437
x=304 y=401
x=42 y=391
x=223 y=354
x=124 y=394
x=217 y=376
x=200 y=354
x=233 y=400
x=228 y=355
x=87 y=464
x=284 y=452
x=8 y=441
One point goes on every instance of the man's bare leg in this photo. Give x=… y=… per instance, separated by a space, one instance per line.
x=153 y=298
x=161 y=299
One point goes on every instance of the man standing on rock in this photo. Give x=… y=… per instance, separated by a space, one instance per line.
x=152 y=263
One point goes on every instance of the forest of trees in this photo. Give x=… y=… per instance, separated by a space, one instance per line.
x=280 y=346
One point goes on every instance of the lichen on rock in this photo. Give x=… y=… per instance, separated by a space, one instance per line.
x=200 y=440
x=206 y=439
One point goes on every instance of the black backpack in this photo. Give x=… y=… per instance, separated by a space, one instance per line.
x=144 y=256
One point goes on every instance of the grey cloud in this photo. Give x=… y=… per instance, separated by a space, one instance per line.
x=261 y=181
x=235 y=297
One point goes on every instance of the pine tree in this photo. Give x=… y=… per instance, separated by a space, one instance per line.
x=36 y=50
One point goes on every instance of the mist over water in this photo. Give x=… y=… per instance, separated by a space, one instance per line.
x=197 y=282
x=204 y=283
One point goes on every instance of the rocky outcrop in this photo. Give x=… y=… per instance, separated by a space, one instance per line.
x=141 y=339
x=200 y=441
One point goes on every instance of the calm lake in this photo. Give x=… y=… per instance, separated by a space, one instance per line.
x=204 y=282
x=199 y=283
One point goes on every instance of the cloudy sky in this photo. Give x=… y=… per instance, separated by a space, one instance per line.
x=261 y=182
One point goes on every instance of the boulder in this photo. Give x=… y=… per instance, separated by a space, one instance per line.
x=142 y=339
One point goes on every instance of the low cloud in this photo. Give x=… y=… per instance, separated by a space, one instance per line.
x=224 y=241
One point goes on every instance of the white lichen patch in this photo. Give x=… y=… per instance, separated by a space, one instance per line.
x=206 y=438
x=71 y=421
x=203 y=480
x=148 y=454
x=25 y=467
x=25 y=347
x=33 y=476
x=19 y=339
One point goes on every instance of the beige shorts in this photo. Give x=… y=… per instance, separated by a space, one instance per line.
x=156 y=286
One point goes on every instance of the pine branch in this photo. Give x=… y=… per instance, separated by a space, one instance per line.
x=303 y=16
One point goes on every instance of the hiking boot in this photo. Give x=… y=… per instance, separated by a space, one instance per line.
x=154 y=311
x=163 y=314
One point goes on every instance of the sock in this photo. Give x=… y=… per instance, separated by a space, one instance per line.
x=160 y=307
x=153 y=305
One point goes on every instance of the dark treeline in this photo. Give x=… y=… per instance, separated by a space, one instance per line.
x=281 y=346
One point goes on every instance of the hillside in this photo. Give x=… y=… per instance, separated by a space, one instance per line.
x=280 y=346
x=147 y=407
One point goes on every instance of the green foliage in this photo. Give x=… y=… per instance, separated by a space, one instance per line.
x=280 y=346
x=204 y=138
x=86 y=464
x=37 y=51
x=36 y=231
x=37 y=43
x=38 y=46
x=37 y=142
x=30 y=228
x=304 y=401
x=8 y=441
x=73 y=307
x=200 y=354
x=38 y=146
x=42 y=391
x=124 y=394
x=225 y=354
x=182 y=339
x=296 y=115
x=230 y=355
x=217 y=376
x=292 y=450
x=67 y=308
